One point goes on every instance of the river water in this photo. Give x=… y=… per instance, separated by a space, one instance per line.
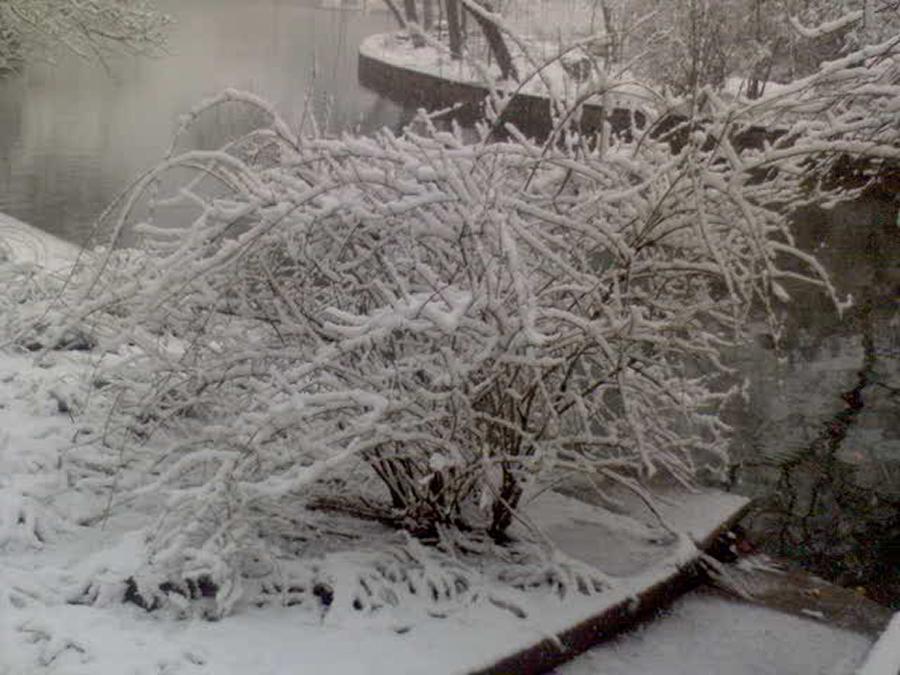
x=819 y=443
x=72 y=135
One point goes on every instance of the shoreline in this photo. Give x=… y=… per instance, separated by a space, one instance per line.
x=24 y=243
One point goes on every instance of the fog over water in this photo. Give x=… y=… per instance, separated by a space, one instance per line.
x=72 y=135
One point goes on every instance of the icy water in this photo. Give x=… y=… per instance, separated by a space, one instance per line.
x=73 y=135
x=819 y=444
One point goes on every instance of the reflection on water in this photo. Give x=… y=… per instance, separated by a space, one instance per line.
x=820 y=443
x=73 y=135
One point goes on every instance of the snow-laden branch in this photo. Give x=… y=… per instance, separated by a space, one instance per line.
x=829 y=27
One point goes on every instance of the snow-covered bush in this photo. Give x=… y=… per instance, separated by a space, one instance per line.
x=427 y=331
x=467 y=321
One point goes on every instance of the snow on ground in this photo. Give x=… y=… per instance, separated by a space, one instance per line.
x=63 y=560
x=121 y=640
x=48 y=560
x=36 y=427
x=706 y=635
x=65 y=555
x=629 y=543
x=42 y=564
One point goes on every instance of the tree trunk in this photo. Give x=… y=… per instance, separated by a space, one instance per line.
x=495 y=40
x=412 y=14
x=427 y=14
x=412 y=17
x=613 y=48
x=503 y=508
x=454 y=29
x=396 y=12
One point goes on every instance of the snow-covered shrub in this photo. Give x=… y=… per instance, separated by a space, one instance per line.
x=467 y=321
x=430 y=329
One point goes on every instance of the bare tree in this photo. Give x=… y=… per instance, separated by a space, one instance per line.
x=696 y=48
x=483 y=13
x=411 y=11
x=454 y=28
x=428 y=14
x=696 y=43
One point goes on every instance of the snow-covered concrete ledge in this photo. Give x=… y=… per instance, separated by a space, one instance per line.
x=24 y=243
x=884 y=657
x=425 y=77
x=701 y=517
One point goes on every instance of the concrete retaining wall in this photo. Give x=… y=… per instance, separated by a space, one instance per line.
x=530 y=113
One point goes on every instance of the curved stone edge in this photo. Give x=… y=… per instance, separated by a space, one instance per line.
x=615 y=619
x=22 y=243
x=418 y=89
x=884 y=656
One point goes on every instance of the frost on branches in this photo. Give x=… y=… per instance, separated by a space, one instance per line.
x=424 y=333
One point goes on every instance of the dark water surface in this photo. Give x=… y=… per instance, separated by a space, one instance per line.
x=73 y=135
x=819 y=444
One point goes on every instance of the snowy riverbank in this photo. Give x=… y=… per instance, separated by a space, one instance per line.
x=74 y=526
x=57 y=540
